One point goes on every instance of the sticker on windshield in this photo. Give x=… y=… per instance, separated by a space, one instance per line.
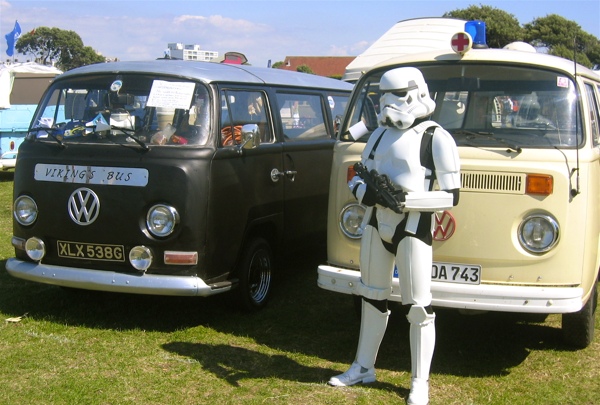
x=116 y=86
x=562 y=81
x=171 y=94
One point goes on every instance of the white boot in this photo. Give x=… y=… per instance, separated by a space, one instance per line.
x=419 y=392
x=372 y=329
x=422 y=344
x=355 y=374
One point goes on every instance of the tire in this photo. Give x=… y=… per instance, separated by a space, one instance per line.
x=578 y=327
x=255 y=275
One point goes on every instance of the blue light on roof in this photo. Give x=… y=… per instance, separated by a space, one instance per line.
x=476 y=29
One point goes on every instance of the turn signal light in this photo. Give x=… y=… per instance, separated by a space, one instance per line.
x=350 y=173
x=183 y=258
x=539 y=184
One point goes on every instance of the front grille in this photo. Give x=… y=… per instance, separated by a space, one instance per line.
x=493 y=182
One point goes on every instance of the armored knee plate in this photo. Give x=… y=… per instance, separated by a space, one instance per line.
x=419 y=315
x=373 y=293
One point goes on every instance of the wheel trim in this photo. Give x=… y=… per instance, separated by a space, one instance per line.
x=259 y=277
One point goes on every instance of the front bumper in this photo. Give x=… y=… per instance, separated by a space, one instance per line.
x=483 y=297
x=102 y=280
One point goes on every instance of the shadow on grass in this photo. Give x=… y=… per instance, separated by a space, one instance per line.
x=7 y=175
x=104 y=310
x=233 y=364
x=301 y=318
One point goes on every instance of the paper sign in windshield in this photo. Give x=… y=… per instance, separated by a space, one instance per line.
x=171 y=94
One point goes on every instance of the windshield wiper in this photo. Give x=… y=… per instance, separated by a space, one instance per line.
x=130 y=134
x=51 y=132
x=488 y=135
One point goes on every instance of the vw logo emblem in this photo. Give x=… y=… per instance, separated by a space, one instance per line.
x=445 y=225
x=84 y=206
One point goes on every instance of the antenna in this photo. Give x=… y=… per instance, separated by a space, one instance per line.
x=576 y=190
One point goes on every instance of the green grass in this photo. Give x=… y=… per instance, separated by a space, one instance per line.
x=100 y=348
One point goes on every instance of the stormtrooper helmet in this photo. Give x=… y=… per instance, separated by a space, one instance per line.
x=405 y=97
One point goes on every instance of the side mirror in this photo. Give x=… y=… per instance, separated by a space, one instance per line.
x=250 y=137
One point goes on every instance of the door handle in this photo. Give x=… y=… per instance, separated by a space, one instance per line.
x=291 y=174
x=276 y=175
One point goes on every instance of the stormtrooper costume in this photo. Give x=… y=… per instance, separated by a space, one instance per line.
x=402 y=239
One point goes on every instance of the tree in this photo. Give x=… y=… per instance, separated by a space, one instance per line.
x=53 y=44
x=84 y=56
x=564 y=38
x=305 y=69
x=502 y=27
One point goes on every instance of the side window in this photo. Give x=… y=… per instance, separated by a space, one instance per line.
x=365 y=109
x=240 y=107
x=302 y=116
x=337 y=104
x=594 y=113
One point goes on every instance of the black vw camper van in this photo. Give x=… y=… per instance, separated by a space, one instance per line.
x=173 y=177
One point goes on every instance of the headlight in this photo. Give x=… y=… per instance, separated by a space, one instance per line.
x=161 y=220
x=25 y=210
x=35 y=249
x=140 y=258
x=538 y=233
x=351 y=219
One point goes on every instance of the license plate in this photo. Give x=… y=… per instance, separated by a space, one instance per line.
x=456 y=273
x=91 y=251
x=453 y=273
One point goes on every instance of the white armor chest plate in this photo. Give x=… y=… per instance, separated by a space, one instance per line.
x=398 y=156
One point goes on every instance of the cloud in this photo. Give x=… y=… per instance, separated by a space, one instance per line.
x=125 y=33
x=223 y=34
x=360 y=46
x=223 y=24
x=348 y=50
x=335 y=50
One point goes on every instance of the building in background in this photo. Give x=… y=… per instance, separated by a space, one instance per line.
x=177 y=50
x=328 y=66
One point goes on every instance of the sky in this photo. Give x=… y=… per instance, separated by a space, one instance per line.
x=262 y=30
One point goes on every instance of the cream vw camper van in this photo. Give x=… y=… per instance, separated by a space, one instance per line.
x=525 y=235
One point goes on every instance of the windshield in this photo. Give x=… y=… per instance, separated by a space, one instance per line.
x=490 y=105
x=131 y=109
